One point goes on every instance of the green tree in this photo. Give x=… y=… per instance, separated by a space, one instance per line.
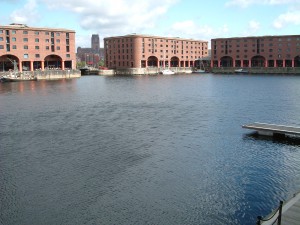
x=80 y=65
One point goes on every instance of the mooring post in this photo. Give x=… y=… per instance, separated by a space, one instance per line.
x=259 y=218
x=280 y=212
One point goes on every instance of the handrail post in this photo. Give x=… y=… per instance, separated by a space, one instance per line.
x=280 y=212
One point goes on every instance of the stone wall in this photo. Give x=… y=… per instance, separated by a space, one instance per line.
x=45 y=75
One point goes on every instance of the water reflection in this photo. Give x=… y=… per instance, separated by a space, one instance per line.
x=288 y=140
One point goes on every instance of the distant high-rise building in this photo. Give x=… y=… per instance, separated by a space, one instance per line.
x=95 y=43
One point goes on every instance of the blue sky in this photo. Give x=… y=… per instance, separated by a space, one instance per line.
x=197 y=19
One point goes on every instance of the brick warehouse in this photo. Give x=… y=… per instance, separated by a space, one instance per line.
x=142 y=51
x=264 y=51
x=36 y=48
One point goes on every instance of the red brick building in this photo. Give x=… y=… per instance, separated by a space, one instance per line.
x=36 y=48
x=264 y=51
x=142 y=51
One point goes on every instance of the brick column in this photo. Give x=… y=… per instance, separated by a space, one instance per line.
x=20 y=66
x=62 y=64
x=43 y=65
x=283 y=63
x=250 y=63
x=275 y=63
x=266 y=63
x=293 y=63
x=31 y=66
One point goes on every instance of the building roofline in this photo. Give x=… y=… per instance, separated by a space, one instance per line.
x=153 y=36
x=25 y=27
x=264 y=36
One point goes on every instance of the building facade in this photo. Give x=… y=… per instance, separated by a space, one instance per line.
x=264 y=51
x=31 y=48
x=142 y=51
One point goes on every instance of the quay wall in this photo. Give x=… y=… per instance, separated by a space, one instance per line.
x=46 y=74
x=134 y=71
x=57 y=74
x=258 y=70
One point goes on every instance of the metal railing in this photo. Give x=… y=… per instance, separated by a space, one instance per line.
x=278 y=219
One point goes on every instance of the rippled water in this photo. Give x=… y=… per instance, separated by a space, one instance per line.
x=145 y=149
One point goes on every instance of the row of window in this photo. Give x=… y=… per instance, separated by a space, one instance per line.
x=7 y=32
x=152 y=40
x=119 y=57
x=175 y=41
x=261 y=45
x=279 y=56
x=35 y=40
x=187 y=57
x=38 y=47
x=262 y=50
x=173 y=46
x=261 y=39
x=174 y=51
x=26 y=56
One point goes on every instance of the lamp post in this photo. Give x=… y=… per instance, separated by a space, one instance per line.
x=85 y=58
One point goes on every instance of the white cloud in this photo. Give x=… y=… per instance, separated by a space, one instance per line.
x=189 y=29
x=246 y=3
x=115 y=17
x=27 y=14
x=286 y=19
x=254 y=26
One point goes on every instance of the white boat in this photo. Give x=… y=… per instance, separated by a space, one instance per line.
x=241 y=71
x=199 y=71
x=167 y=72
x=188 y=71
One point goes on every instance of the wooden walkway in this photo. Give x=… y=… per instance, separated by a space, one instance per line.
x=290 y=212
x=273 y=129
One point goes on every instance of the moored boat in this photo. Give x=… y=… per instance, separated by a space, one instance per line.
x=167 y=72
x=16 y=79
x=241 y=71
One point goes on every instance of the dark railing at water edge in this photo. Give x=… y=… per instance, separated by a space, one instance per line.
x=278 y=219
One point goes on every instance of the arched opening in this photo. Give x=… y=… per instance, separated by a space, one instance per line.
x=152 y=61
x=9 y=62
x=297 y=61
x=258 y=61
x=174 y=61
x=51 y=62
x=226 y=61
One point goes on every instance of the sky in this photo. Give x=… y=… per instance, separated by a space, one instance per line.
x=196 y=19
